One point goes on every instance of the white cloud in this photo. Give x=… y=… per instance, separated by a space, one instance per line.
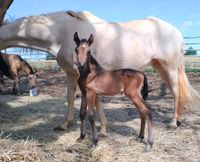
x=188 y=23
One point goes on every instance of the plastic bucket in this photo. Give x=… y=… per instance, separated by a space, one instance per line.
x=33 y=92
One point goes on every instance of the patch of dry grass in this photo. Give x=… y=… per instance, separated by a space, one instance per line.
x=24 y=150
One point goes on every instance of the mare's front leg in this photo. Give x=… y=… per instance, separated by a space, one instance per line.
x=91 y=116
x=71 y=89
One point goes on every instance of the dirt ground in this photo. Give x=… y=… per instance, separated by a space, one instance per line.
x=27 y=127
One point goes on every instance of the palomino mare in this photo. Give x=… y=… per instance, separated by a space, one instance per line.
x=94 y=81
x=133 y=45
x=11 y=64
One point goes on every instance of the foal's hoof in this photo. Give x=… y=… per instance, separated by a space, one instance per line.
x=94 y=144
x=103 y=133
x=148 y=147
x=178 y=123
x=80 y=138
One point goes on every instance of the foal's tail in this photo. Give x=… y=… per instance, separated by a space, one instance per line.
x=144 y=90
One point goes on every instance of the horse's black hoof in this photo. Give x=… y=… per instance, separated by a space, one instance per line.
x=178 y=123
x=80 y=138
x=93 y=145
x=141 y=137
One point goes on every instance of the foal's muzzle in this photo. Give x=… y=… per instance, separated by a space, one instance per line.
x=82 y=66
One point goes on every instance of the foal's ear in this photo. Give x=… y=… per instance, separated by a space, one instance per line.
x=76 y=38
x=90 y=40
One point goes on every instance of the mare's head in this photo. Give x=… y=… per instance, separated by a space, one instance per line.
x=82 y=50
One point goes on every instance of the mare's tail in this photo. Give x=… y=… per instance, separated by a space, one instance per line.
x=187 y=94
x=144 y=90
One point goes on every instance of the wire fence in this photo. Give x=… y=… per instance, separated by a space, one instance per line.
x=192 y=43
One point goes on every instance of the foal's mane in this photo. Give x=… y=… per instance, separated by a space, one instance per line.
x=93 y=61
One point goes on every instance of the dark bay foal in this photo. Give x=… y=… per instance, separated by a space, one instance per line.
x=94 y=81
x=10 y=65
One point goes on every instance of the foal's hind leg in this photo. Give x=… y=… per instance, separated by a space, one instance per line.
x=145 y=110
x=142 y=126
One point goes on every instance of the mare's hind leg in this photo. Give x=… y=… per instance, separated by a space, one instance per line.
x=170 y=77
x=178 y=104
x=102 y=118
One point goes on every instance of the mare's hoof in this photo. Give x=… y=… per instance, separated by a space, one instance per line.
x=173 y=124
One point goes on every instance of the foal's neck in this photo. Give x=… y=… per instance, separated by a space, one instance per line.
x=93 y=64
x=26 y=67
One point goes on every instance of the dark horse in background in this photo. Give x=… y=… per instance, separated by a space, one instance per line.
x=94 y=81
x=10 y=65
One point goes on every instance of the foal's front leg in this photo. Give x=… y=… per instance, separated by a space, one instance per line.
x=91 y=116
x=82 y=117
x=102 y=118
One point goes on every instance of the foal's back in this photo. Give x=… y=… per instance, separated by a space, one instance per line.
x=115 y=82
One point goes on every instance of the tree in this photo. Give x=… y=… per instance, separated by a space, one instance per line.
x=50 y=57
x=4 y=5
x=190 y=51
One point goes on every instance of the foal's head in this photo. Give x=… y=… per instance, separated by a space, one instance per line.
x=82 y=50
x=32 y=78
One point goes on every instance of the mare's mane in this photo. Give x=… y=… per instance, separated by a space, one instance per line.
x=80 y=15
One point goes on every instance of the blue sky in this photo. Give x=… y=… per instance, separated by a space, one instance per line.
x=184 y=14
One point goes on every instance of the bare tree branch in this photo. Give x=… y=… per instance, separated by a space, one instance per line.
x=4 y=5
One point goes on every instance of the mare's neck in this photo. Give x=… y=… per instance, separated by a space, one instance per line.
x=28 y=35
